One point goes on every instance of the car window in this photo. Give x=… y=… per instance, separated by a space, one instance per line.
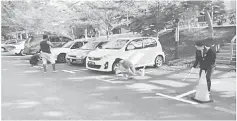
x=116 y=44
x=11 y=42
x=77 y=45
x=64 y=39
x=68 y=44
x=149 y=42
x=55 y=39
x=90 y=46
x=101 y=44
x=135 y=44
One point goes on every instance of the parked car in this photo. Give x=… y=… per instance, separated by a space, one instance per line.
x=78 y=56
x=32 y=45
x=141 y=51
x=15 y=46
x=60 y=52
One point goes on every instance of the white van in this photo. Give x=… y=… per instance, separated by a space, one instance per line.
x=141 y=51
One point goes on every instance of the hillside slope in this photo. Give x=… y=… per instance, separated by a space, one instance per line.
x=189 y=37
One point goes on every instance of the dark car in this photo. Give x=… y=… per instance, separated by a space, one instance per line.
x=32 y=45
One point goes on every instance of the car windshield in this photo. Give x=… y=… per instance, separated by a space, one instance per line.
x=90 y=46
x=68 y=44
x=11 y=41
x=117 y=44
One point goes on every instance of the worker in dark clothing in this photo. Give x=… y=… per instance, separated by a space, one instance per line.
x=206 y=57
x=46 y=55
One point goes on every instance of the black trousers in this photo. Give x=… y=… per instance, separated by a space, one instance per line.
x=209 y=72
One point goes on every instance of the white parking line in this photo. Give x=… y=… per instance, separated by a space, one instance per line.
x=148 y=72
x=32 y=71
x=75 y=70
x=37 y=66
x=22 y=64
x=185 y=94
x=225 y=110
x=69 y=71
x=84 y=69
x=89 y=77
x=152 y=97
x=113 y=82
x=178 y=99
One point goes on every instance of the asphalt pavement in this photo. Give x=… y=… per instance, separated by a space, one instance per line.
x=80 y=94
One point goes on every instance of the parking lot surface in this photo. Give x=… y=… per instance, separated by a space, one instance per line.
x=77 y=93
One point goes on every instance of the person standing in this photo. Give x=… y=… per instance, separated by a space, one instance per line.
x=206 y=57
x=46 y=55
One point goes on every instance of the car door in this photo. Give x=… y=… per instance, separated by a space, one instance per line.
x=135 y=52
x=150 y=49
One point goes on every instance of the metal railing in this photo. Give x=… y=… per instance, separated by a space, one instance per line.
x=232 y=48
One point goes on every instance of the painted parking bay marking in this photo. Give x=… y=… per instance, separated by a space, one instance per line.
x=87 y=77
x=111 y=80
x=175 y=98
x=69 y=71
x=169 y=83
x=31 y=71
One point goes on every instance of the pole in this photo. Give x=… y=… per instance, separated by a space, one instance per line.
x=177 y=41
x=86 y=33
x=212 y=13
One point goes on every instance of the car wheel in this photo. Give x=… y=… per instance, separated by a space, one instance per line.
x=61 y=58
x=22 y=53
x=115 y=65
x=3 y=49
x=72 y=63
x=84 y=61
x=158 y=61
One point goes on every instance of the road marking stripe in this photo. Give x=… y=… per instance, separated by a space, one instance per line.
x=185 y=94
x=68 y=71
x=75 y=70
x=148 y=71
x=225 y=110
x=37 y=66
x=21 y=64
x=84 y=69
x=32 y=71
x=113 y=82
x=88 y=77
x=151 y=97
x=178 y=99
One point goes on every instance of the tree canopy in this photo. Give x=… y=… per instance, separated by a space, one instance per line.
x=61 y=16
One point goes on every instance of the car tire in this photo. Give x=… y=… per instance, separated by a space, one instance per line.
x=84 y=61
x=22 y=53
x=71 y=63
x=113 y=67
x=3 y=49
x=158 y=61
x=61 y=58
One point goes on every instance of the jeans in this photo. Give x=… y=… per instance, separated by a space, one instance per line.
x=209 y=72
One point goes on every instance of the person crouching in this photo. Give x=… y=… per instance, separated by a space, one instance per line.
x=126 y=68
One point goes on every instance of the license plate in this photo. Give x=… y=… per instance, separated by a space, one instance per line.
x=91 y=63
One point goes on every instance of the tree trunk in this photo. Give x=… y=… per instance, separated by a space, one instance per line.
x=210 y=25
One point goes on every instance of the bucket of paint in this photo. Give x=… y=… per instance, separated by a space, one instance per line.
x=142 y=72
